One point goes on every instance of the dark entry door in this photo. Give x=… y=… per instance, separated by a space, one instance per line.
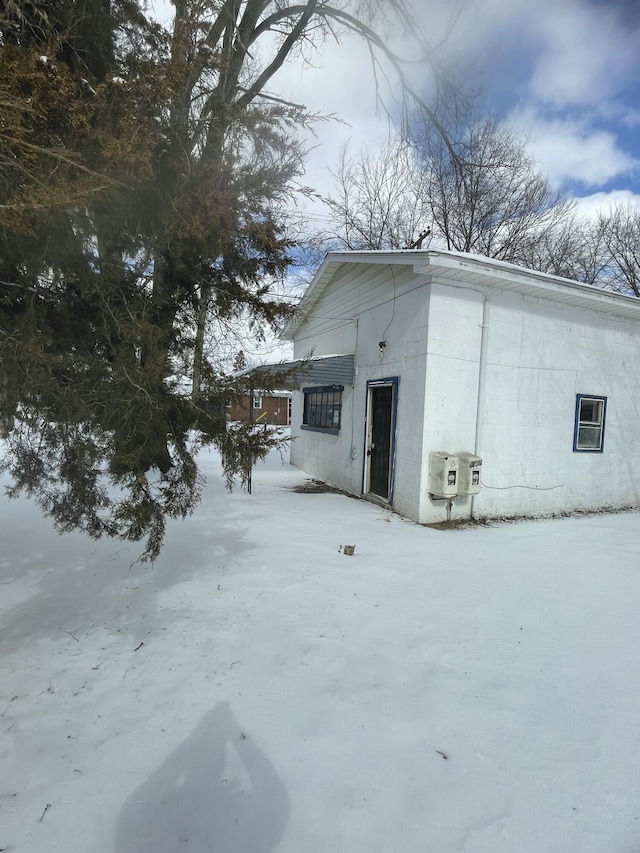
x=379 y=450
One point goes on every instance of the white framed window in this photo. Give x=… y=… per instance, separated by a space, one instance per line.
x=588 y=433
x=257 y=400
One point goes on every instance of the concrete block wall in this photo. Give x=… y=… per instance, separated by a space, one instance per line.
x=539 y=355
x=366 y=307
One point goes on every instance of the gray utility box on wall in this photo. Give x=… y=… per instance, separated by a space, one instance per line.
x=470 y=474
x=443 y=474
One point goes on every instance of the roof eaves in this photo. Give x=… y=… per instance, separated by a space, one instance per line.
x=458 y=265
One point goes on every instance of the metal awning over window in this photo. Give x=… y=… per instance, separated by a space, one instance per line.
x=318 y=370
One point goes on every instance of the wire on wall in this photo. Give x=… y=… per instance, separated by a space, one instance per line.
x=353 y=395
x=393 y=310
x=531 y=488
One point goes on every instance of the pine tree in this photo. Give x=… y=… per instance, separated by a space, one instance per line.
x=143 y=174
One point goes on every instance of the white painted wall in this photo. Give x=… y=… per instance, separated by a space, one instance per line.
x=537 y=354
x=453 y=362
x=354 y=315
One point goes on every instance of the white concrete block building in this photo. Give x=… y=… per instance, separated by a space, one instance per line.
x=422 y=352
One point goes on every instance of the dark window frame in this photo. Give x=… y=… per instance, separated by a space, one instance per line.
x=585 y=423
x=322 y=409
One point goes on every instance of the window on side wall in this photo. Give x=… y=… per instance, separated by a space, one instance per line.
x=257 y=400
x=323 y=408
x=588 y=434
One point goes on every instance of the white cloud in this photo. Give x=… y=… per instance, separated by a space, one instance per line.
x=586 y=54
x=581 y=53
x=342 y=85
x=568 y=55
x=588 y=206
x=571 y=151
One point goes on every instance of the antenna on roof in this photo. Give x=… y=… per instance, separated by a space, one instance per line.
x=417 y=244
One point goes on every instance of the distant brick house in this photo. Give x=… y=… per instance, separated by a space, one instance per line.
x=269 y=407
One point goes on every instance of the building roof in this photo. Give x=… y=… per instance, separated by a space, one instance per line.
x=461 y=268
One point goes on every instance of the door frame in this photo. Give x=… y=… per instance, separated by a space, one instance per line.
x=393 y=382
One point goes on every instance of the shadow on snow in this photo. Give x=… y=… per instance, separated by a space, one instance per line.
x=216 y=793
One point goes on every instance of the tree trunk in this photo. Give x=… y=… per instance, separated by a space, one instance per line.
x=198 y=351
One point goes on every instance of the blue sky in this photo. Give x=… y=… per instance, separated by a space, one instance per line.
x=566 y=73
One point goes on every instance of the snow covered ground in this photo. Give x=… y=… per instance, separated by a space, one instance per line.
x=474 y=691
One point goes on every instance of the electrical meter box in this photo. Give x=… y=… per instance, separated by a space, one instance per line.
x=443 y=474
x=470 y=474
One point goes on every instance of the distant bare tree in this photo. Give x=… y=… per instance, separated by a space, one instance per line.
x=618 y=233
x=490 y=197
x=603 y=251
x=476 y=188
x=571 y=247
x=380 y=199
